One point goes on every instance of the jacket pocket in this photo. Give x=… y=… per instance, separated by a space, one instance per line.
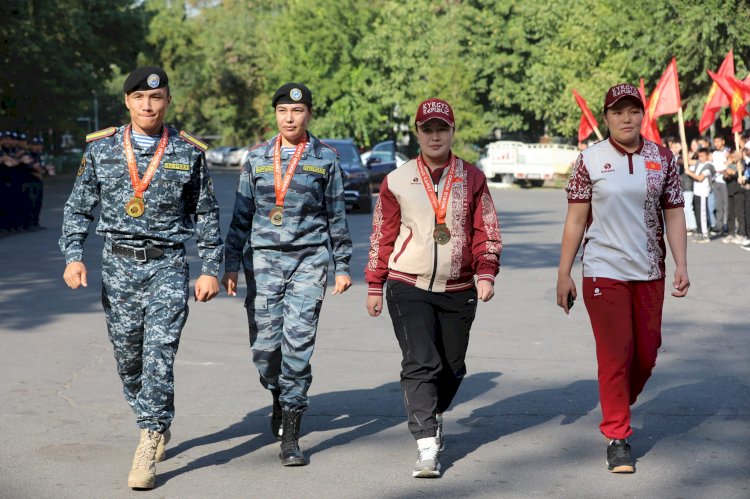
x=403 y=247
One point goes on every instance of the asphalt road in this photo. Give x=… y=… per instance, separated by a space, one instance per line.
x=524 y=423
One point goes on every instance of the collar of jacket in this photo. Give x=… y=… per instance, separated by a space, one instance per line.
x=173 y=134
x=315 y=146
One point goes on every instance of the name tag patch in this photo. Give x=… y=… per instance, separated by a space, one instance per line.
x=314 y=169
x=653 y=165
x=264 y=169
x=177 y=166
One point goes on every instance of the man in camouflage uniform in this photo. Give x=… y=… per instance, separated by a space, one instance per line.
x=289 y=207
x=144 y=270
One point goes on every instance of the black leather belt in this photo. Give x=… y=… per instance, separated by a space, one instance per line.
x=138 y=254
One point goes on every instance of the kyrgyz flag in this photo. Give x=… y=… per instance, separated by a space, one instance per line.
x=738 y=93
x=716 y=98
x=649 y=128
x=666 y=96
x=588 y=122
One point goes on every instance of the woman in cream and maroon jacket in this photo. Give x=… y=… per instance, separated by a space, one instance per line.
x=429 y=243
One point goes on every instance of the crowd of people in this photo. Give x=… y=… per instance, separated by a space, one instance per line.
x=716 y=186
x=22 y=172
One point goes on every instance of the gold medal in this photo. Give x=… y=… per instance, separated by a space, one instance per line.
x=135 y=207
x=441 y=234
x=277 y=215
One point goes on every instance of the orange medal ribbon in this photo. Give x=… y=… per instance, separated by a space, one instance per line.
x=135 y=206
x=442 y=208
x=279 y=185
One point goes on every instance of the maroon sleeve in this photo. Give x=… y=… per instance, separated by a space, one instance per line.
x=486 y=243
x=579 y=185
x=386 y=221
x=672 y=196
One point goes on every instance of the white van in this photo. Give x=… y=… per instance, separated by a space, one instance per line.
x=509 y=161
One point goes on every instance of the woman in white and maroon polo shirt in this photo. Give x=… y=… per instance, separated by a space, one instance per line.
x=622 y=191
x=434 y=229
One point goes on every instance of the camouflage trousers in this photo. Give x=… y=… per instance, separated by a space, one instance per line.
x=285 y=294
x=146 y=306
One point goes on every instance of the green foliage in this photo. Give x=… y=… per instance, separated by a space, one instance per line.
x=56 y=53
x=502 y=64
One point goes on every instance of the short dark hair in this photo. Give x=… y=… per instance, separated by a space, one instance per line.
x=669 y=139
x=704 y=150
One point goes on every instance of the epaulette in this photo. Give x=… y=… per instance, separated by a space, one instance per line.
x=259 y=144
x=330 y=147
x=107 y=132
x=192 y=140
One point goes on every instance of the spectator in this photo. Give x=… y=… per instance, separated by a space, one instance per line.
x=736 y=205
x=721 y=199
x=702 y=176
x=687 y=183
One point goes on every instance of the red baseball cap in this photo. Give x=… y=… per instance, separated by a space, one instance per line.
x=619 y=92
x=434 y=109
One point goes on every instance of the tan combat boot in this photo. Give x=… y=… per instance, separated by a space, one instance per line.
x=161 y=451
x=143 y=473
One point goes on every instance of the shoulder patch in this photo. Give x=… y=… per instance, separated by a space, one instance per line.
x=192 y=140
x=107 y=132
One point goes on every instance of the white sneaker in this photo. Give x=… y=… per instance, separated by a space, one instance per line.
x=727 y=239
x=741 y=240
x=427 y=465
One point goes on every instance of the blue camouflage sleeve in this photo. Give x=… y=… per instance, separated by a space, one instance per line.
x=338 y=230
x=210 y=245
x=78 y=211
x=242 y=221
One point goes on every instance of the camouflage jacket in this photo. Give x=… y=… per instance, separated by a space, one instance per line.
x=179 y=200
x=314 y=207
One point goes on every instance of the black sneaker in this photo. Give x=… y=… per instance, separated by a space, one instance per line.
x=618 y=457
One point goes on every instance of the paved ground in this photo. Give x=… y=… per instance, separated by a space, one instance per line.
x=525 y=422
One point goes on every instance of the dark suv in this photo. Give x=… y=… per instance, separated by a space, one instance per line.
x=356 y=179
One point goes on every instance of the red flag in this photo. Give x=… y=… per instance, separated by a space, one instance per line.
x=588 y=122
x=666 y=96
x=738 y=93
x=649 y=127
x=716 y=99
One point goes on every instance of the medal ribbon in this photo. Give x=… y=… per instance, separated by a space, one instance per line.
x=442 y=208
x=282 y=186
x=140 y=185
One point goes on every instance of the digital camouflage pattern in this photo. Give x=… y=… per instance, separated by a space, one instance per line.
x=145 y=303
x=284 y=299
x=145 y=349
x=314 y=208
x=286 y=266
x=175 y=196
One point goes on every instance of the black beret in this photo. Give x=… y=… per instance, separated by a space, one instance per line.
x=292 y=93
x=145 y=78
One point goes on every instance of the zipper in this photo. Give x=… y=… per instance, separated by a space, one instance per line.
x=630 y=162
x=434 y=252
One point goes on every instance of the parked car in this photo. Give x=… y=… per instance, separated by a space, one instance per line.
x=357 y=191
x=217 y=156
x=235 y=157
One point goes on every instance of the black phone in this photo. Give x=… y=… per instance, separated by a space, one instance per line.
x=571 y=301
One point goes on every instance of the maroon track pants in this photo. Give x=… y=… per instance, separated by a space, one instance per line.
x=626 y=319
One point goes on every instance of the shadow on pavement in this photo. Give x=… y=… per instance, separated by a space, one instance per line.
x=518 y=413
x=680 y=409
x=350 y=410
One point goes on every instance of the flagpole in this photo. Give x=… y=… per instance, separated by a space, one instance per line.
x=598 y=133
x=682 y=138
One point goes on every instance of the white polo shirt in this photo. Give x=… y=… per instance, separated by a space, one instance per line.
x=627 y=193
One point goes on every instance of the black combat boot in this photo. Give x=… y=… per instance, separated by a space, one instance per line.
x=291 y=455
x=276 y=416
